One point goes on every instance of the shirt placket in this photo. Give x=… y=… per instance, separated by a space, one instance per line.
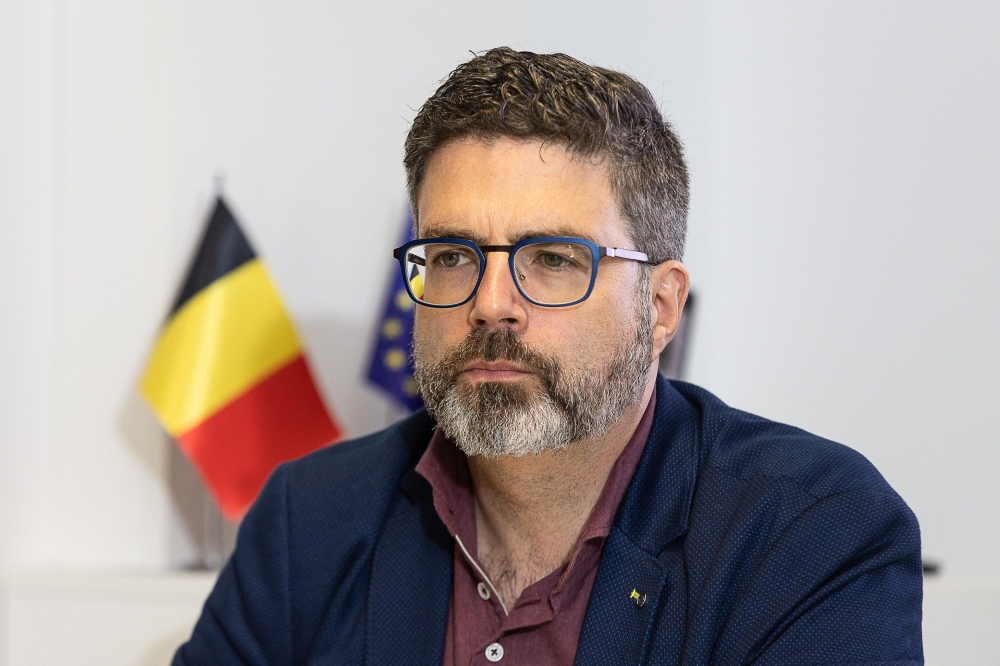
x=484 y=580
x=499 y=646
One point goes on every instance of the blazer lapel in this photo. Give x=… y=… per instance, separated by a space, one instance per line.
x=638 y=555
x=410 y=584
x=622 y=604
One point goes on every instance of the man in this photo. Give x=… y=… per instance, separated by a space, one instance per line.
x=559 y=502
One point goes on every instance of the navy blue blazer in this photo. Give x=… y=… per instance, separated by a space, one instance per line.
x=755 y=543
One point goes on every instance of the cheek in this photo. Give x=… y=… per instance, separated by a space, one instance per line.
x=573 y=337
x=588 y=336
x=437 y=330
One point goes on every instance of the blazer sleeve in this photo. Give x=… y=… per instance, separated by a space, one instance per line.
x=246 y=619
x=841 y=584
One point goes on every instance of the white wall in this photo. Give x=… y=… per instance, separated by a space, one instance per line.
x=851 y=285
x=27 y=74
x=842 y=158
x=109 y=457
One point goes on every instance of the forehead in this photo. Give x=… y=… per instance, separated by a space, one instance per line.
x=504 y=190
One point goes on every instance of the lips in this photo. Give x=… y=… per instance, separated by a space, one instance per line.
x=494 y=371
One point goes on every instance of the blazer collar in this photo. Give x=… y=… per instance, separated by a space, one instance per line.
x=656 y=505
x=632 y=585
x=411 y=570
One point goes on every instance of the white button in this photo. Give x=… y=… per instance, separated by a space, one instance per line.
x=494 y=652
x=484 y=592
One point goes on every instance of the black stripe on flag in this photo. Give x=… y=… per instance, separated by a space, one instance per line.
x=223 y=248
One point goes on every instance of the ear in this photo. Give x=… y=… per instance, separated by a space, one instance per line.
x=668 y=283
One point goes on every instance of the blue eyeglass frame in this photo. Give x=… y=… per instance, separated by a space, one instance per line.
x=597 y=252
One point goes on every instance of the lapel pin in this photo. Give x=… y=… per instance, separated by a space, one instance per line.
x=640 y=599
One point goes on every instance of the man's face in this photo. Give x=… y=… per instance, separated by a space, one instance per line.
x=504 y=376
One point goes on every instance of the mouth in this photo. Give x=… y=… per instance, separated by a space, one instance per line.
x=494 y=371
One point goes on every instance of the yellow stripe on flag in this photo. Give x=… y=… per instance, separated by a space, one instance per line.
x=417 y=286
x=225 y=339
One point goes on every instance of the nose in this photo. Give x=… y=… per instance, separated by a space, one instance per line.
x=498 y=301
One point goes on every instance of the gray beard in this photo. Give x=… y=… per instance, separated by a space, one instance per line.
x=495 y=419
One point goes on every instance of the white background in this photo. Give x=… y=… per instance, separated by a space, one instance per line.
x=843 y=237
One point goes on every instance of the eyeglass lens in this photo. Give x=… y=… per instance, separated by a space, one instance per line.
x=548 y=273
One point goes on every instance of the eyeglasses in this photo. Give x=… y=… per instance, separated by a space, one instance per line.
x=551 y=271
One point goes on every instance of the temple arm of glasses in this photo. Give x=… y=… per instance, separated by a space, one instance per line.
x=412 y=258
x=625 y=254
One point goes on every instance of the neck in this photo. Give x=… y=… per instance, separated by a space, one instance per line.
x=531 y=510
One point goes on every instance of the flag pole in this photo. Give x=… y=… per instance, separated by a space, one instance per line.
x=213 y=527
x=213 y=534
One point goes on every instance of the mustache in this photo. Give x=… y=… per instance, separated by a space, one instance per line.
x=497 y=344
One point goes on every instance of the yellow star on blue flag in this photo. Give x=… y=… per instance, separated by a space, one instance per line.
x=391 y=366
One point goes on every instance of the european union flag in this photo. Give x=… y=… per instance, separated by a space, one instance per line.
x=391 y=366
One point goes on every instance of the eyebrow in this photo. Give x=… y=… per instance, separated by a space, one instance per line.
x=447 y=231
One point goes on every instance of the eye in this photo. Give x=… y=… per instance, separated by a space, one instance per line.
x=451 y=259
x=552 y=260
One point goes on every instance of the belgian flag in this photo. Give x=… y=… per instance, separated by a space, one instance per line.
x=228 y=378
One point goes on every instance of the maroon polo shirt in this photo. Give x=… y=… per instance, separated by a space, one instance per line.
x=543 y=628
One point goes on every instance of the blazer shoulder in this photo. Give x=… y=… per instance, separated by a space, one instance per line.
x=356 y=479
x=748 y=446
x=792 y=535
x=316 y=525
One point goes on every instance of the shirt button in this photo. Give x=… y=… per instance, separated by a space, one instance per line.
x=484 y=592
x=494 y=652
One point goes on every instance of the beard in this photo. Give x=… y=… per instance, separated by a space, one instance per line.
x=563 y=403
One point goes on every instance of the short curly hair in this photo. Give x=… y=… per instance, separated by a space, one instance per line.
x=593 y=112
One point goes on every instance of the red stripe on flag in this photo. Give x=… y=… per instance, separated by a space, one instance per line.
x=237 y=447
